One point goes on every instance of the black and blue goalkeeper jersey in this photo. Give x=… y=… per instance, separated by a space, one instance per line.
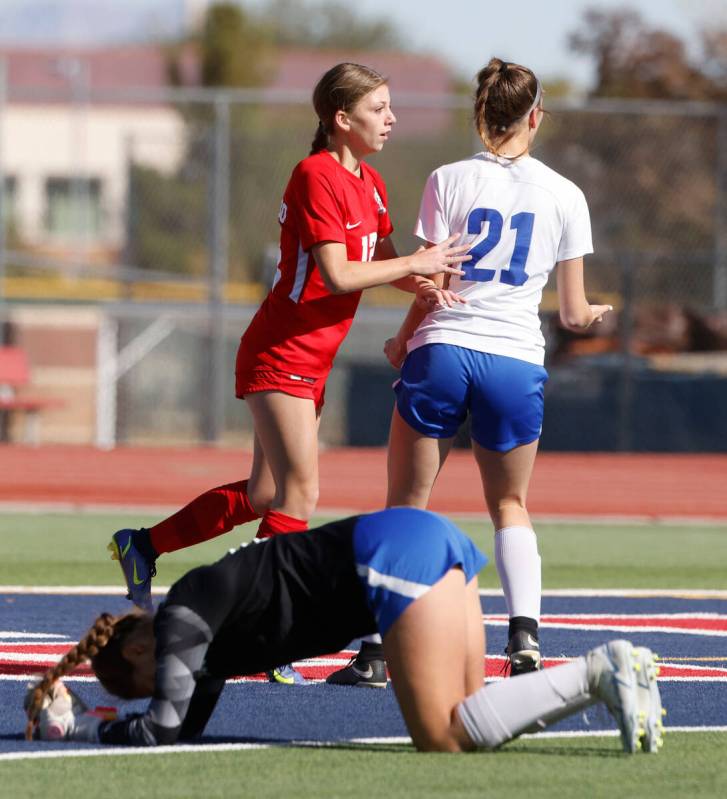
x=265 y=604
x=284 y=599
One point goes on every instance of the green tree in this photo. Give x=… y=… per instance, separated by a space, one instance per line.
x=327 y=25
x=170 y=214
x=649 y=179
x=234 y=48
x=635 y=60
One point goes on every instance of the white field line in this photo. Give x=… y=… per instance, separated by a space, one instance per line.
x=47 y=657
x=28 y=657
x=627 y=593
x=625 y=628
x=314 y=681
x=708 y=615
x=41 y=508
x=237 y=747
x=92 y=590
x=34 y=678
x=132 y=750
x=45 y=662
x=621 y=628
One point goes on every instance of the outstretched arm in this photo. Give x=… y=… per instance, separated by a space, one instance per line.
x=342 y=276
x=386 y=251
x=576 y=313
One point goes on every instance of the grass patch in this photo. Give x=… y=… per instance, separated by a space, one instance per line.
x=690 y=765
x=70 y=549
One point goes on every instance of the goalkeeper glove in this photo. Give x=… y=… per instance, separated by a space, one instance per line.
x=65 y=717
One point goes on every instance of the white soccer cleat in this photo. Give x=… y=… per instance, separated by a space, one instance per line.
x=648 y=699
x=612 y=677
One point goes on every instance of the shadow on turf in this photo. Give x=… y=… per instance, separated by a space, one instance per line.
x=312 y=744
x=581 y=751
x=351 y=746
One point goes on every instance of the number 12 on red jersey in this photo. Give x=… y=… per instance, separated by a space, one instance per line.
x=368 y=246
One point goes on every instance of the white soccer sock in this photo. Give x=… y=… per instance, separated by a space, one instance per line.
x=518 y=564
x=503 y=710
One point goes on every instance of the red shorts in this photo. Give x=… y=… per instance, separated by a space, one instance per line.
x=263 y=378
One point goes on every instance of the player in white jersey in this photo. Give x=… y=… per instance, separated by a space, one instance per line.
x=478 y=351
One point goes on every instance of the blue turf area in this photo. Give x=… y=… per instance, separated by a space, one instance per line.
x=260 y=712
x=72 y=615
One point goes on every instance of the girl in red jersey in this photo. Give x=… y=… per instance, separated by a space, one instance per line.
x=334 y=242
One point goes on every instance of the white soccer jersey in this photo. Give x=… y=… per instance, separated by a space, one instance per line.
x=521 y=218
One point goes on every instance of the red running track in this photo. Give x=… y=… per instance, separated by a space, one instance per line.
x=640 y=485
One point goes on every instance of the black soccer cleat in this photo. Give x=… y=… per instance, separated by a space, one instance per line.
x=360 y=674
x=523 y=652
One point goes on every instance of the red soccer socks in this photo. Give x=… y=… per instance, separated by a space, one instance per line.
x=276 y=523
x=211 y=514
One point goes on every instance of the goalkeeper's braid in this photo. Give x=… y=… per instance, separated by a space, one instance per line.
x=94 y=640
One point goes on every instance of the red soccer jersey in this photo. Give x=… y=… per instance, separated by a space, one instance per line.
x=300 y=324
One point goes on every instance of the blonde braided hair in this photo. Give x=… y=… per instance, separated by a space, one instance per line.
x=105 y=629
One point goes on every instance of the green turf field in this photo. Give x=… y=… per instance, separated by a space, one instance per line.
x=692 y=766
x=70 y=549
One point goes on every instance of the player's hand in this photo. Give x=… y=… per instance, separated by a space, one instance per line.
x=395 y=351
x=599 y=311
x=440 y=258
x=65 y=717
x=430 y=296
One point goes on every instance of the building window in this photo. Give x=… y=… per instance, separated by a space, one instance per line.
x=10 y=185
x=73 y=207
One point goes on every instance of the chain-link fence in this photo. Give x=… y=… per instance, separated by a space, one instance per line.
x=160 y=211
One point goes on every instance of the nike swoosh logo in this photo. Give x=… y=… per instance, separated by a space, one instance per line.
x=365 y=674
x=126 y=548
x=532 y=641
x=351 y=227
x=137 y=581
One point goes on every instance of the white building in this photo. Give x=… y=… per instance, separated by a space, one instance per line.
x=65 y=150
x=71 y=120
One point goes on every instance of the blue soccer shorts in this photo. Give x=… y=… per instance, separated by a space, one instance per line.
x=400 y=553
x=441 y=384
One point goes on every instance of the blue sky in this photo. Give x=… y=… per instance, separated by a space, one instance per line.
x=464 y=33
